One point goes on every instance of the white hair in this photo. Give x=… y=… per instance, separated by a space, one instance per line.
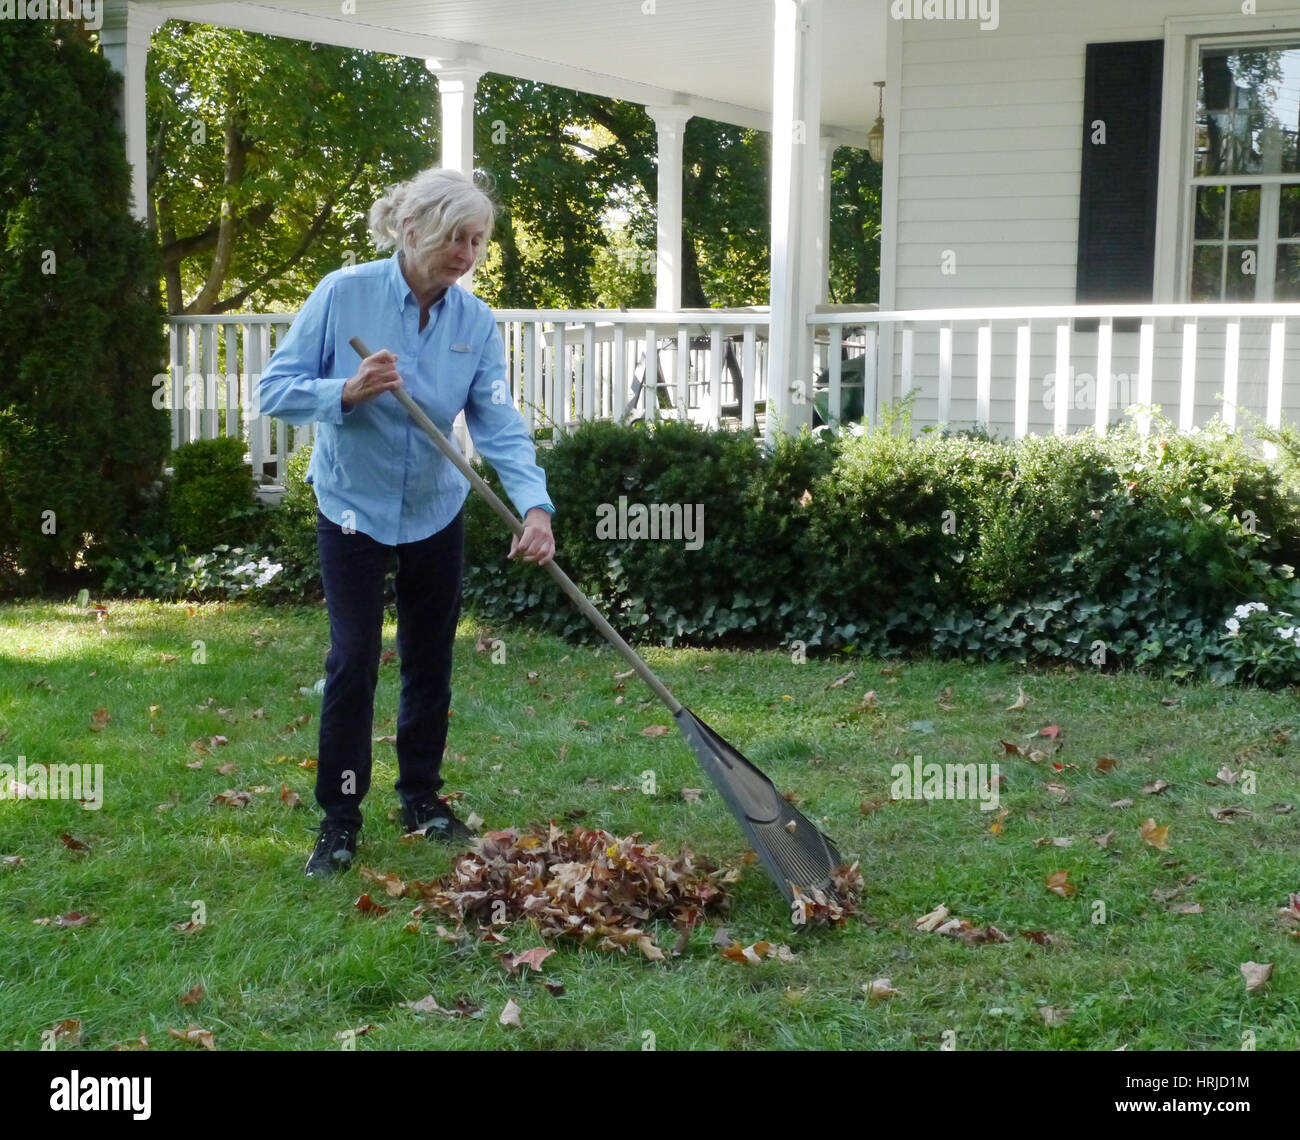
x=439 y=203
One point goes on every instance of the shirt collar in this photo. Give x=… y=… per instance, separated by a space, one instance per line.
x=402 y=289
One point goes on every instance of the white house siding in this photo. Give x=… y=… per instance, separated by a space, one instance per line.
x=987 y=165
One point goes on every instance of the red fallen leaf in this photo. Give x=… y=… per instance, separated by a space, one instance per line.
x=366 y=905
x=1009 y=749
x=194 y=1036
x=72 y=843
x=75 y=918
x=192 y=996
x=556 y=988
x=98 y=719
x=290 y=797
x=392 y=885
x=1041 y=937
x=1058 y=882
x=1106 y=764
x=534 y=958
x=1052 y=731
x=387 y=656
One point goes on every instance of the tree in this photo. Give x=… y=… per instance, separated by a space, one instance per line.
x=265 y=157
x=81 y=327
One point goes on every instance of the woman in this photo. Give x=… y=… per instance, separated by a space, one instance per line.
x=383 y=489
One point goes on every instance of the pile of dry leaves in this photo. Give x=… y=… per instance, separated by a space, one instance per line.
x=583 y=884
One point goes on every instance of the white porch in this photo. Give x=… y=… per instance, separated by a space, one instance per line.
x=981 y=211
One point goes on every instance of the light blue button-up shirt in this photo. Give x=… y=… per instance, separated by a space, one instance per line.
x=372 y=460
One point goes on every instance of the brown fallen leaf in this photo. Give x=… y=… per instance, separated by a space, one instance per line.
x=1256 y=975
x=1054 y=1015
x=1155 y=787
x=840 y=682
x=69 y=1029
x=510 y=1015
x=190 y=927
x=193 y=1035
x=392 y=885
x=1229 y=813
x=1041 y=937
x=366 y=905
x=1021 y=702
x=933 y=920
x=1170 y=702
x=1121 y=803
x=289 y=797
x=72 y=843
x=532 y=958
x=655 y=730
x=76 y=918
x=192 y=996
x=1055 y=841
x=692 y=795
x=99 y=719
x=1187 y=908
x=996 y=826
x=1058 y=882
x=229 y=768
x=1227 y=776
x=232 y=798
x=879 y=989
x=1158 y=837
x=866 y=807
x=1106 y=764
x=1103 y=841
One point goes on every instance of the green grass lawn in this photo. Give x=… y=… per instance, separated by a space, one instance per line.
x=287 y=963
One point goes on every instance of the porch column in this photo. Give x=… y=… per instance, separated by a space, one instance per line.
x=796 y=196
x=822 y=268
x=125 y=38
x=670 y=125
x=457 y=82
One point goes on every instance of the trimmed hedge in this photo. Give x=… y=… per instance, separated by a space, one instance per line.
x=1119 y=552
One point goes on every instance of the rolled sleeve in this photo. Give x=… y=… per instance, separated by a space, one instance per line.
x=296 y=386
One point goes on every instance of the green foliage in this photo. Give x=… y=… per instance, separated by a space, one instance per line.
x=269 y=153
x=293 y=525
x=211 y=499
x=1117 y=552
x=81 y=330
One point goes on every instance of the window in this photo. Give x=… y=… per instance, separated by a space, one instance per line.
x=1246 y=174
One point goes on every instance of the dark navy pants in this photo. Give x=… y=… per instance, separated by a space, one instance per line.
x=428 y=604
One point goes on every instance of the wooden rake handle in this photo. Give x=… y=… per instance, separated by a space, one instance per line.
x=565 y=583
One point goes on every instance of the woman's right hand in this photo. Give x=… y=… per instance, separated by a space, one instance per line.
x=377 y=375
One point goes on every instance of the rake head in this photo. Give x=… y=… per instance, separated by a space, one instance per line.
x=792 y=848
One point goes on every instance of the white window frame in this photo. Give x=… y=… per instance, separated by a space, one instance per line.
x=1175 y=203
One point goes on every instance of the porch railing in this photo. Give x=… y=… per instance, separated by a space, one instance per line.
x=1017 y=371
x=1013 y=371
x=564 y=366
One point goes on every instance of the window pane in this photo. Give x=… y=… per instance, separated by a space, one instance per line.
x=1242 y=263
x=1207 y=272
x=1243 y=212
x=1288 y=222
x=1248 y=110
x=1209 y=211
x=1286 y=286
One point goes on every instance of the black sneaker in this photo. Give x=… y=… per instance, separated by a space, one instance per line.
x=334 y=850
x=436 y=820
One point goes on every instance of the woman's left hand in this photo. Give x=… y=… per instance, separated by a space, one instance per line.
x=536 y=544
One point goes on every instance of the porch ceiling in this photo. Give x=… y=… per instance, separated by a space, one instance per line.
x=715 y=56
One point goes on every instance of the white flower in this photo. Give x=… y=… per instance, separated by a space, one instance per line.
x=1286 y=634
x=1246 y=610
x=1233 y=626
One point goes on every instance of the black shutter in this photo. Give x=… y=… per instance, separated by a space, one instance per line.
x=1117 y=190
